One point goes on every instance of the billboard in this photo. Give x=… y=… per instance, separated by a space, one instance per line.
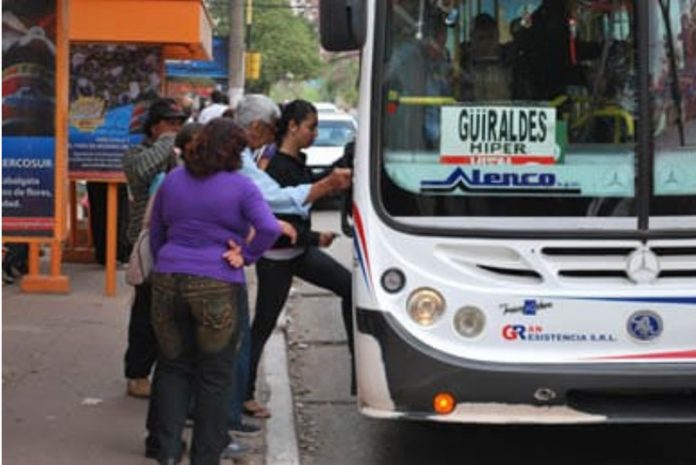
x=110 y=90
x=29 y=29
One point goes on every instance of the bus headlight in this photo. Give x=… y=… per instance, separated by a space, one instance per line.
x=469 y=321
x=425 y=306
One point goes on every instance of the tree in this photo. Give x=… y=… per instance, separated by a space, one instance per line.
x=340 y=79
x=288 y=43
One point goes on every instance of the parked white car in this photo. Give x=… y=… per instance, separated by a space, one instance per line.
x=326 y=106
x=336 y=129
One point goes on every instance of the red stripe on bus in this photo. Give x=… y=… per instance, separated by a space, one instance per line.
x=683 y=354
x=357 y=219
x=510 y=159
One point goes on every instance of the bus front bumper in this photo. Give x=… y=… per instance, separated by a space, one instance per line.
x=398 y=376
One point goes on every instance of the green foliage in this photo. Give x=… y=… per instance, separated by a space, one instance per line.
x=340 y=80
x=220 y=12
x=338 y=83
x=291 y=90
x=291 y=66
x=289 y=45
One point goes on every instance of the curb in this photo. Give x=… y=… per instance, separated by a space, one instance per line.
x=281 y=440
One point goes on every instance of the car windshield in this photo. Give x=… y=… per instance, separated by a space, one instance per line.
x=528 y=108
x=334 y=133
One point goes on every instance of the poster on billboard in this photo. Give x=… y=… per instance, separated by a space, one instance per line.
x=110 y=90
x=29 y=29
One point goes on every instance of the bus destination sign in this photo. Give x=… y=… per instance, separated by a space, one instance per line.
x=498 y=135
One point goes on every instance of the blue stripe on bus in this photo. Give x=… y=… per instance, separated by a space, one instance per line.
x=646 y=300
x=361 y=261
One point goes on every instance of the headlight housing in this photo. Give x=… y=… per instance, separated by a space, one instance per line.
x=469 y=321
x=393 y=280
x=425 y=306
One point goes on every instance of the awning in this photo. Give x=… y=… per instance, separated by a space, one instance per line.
x=215 y=69
x=182 y=27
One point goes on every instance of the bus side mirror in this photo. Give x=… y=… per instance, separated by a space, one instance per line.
x=342 y=24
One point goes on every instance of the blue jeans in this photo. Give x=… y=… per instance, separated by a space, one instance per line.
x=197 y=325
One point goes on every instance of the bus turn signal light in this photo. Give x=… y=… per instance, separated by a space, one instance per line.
x=444 y=403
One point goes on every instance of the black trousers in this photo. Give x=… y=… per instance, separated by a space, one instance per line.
x=141 y=352
x=274 y=280
x=96 y=192
x=16 y=256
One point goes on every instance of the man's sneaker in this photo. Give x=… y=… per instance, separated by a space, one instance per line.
x=245 y=430
x=139 y=388
x=235 y=450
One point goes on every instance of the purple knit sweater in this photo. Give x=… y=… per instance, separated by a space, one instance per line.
x=193 y=218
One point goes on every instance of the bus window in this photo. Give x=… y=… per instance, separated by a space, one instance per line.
x=673 y=71
x=509 y=108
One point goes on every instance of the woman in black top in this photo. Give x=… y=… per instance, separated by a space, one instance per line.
x=297 y=130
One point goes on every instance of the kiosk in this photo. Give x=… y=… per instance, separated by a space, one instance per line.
x=49 y=38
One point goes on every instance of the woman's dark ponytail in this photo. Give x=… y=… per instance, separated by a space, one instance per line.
x=296 y=111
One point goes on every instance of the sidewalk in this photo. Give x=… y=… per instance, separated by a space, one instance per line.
x=64 y=396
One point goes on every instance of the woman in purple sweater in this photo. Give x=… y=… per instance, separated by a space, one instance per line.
x=197 y=294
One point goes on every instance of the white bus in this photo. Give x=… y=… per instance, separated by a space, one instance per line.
x=524 y=208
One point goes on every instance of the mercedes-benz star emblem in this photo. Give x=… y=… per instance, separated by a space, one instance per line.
x=643 y=266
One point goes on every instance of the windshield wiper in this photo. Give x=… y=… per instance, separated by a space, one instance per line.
x=676 y=91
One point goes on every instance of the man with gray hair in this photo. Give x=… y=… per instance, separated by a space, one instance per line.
x=257 y=115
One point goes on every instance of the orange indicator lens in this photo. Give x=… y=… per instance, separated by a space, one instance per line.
x=444 y=403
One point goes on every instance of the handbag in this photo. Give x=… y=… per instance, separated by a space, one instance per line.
x=140 y=262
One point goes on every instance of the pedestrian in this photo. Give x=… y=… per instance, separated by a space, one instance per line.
x=198 y=297
x=96 y=193
x=188 y=105
x=15 y=261
x=141 y=164
x=305 y=259
x=264 y=155
x=229 y=113
x=219 y=104
x=258 y=115
x=183 y=142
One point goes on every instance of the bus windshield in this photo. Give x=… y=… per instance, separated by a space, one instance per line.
x=528 y=108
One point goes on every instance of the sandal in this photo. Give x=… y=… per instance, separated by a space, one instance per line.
x=256 y=409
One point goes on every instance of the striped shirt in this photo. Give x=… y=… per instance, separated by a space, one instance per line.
x=141 y=164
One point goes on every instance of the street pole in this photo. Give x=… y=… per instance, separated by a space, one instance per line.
x=237 y=50
x=249 y=18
